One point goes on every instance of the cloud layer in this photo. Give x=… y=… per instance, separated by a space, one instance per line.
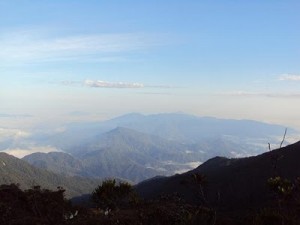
x=289 y=77
x=260 y=94
x=13 y=134
x=105 y=84
x=35 y=46
x=21 y=152
x=18 y=143
x=6 y=115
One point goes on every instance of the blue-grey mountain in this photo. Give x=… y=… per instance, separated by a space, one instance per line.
x=137 y=147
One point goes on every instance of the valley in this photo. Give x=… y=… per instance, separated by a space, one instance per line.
x=136 y=147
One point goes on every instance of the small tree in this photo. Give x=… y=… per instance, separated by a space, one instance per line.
x=32 y=206
x=110 y=195
x=285 y=208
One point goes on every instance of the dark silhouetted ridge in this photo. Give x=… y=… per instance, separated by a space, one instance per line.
x=232 y=183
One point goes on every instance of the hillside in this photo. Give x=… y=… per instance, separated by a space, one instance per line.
x=220 y=191
x=122 y=153
x=14 y=170
x=57 y=162
x=148 y=146
x=131 y=155
x=231 y=183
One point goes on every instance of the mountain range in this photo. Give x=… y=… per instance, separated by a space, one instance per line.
x=136 y=147
x=179 y=127
x=223 y=182
x=122 y=153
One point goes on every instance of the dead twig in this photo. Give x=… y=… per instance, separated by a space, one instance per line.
x=283 y=138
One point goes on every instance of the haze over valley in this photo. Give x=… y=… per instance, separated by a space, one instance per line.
x=149 y=112
x=136 y=147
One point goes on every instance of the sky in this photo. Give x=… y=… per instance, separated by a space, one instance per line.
x=87 y=60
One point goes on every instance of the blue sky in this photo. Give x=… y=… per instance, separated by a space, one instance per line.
x=64 y=60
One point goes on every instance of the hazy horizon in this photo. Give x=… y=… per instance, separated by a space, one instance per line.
x=41 y=136
x=88 y=61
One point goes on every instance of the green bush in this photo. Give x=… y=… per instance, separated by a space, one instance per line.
x=110 y=195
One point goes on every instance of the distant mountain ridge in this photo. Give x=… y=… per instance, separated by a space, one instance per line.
x=137 y=147
x=14 y=170
x=122 y=153
x=57 y=162
x=181 y=128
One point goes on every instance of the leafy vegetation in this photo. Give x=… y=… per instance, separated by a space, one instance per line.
x=32 y=206
x=110 y=195
x=37 y=206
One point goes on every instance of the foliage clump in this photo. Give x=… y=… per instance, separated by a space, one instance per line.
x=37 y=206
x=32 y=206
x=112 y=195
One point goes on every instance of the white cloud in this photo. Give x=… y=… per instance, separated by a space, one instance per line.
x=13 y=134
x=108 y=84
x=105 y=84
x=289 y=77
x=188 y=166
x=21 y=152
x=6 y=115
x=33 y=46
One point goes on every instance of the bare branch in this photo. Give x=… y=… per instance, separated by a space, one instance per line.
x=283 y=138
